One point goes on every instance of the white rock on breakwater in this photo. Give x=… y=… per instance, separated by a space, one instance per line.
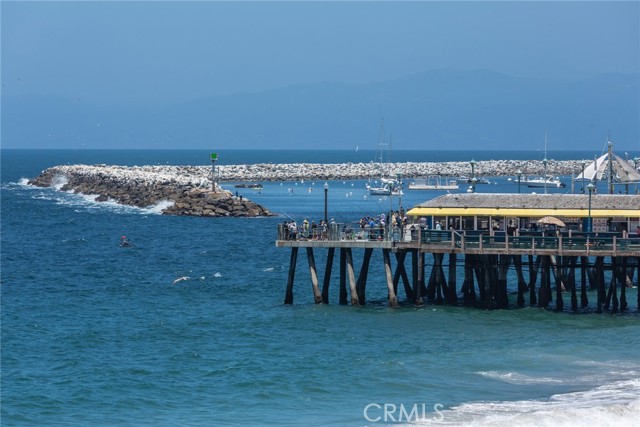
x=345 y=171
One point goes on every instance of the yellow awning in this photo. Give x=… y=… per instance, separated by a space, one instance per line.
x=524 y=213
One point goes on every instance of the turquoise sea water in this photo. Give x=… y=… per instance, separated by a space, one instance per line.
x=95 y=334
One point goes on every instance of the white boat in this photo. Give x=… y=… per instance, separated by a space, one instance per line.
x=433 y=183
x=470 y=180
x=541 y=182
x=388 y=186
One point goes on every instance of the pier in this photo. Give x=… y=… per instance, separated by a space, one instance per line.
x=492 y=257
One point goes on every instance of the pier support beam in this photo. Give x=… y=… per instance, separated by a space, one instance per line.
x=418 y=275
x=288 y=298
x=468 y=287
x=623 y=285
x=522 y=284
x=343 y=277
x=533 y=278
x=353 y=291
x=361 y=284
x=559 y=300
x=401 y=273
x=452 y=296
x=393 y=299
x=584 y=266
x=327 y=275
x=317 y=297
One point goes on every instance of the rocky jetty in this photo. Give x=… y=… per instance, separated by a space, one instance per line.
x=180 y=188
x=189 y=190
x=346 y=171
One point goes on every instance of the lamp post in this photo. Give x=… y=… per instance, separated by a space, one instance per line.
x=590 y=187
x=399 y=176
x=326 y=191
x=214 y=159
x=473 y=168
x=582 y=180
x=519 y=173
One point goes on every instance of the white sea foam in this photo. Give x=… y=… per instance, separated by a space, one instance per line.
x=59 y=181
x=616 y=404
x=217 y=275
x=516 y=378
x=88 y=201
x=159 y=207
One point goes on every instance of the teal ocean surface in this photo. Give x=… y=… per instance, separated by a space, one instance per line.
x=94 y=334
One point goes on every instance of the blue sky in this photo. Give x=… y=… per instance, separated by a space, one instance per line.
x=153 y=53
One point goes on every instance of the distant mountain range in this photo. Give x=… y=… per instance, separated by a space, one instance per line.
x=447 y=109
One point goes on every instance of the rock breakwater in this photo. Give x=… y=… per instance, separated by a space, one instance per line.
x=186 y=192
x=347 y=171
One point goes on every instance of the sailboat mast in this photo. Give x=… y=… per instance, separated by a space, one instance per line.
x=544 y=162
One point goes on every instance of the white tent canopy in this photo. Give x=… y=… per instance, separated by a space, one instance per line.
x=598 y=170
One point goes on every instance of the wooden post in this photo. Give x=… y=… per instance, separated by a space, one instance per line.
x=393 y=299
x=503 y=270
x=352 y=279
x=361 y=284
x=288 y=298
x=623 y=286
x=572 y=283
x=584 y=265
x=431 y=286
x=543 y=298
x=327 y=275
x=419 y=263
x=452 y=297
x=402 y=272
x=343 y=277
x=612 y=295
x=488 y=281
x=317 y=297
x=533 y=278
x=522 y=284
x=600 y=283
x=559 y=300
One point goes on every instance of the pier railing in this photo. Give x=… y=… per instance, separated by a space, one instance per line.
x=459 y=240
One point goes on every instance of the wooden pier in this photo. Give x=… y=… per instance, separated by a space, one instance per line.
x=491 y=270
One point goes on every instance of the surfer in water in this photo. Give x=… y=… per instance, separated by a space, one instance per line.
x=124 y=242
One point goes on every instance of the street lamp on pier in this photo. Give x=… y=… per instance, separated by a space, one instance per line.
x=519 y=173
x=582 y=180
x=473 y=168
x=326 y=191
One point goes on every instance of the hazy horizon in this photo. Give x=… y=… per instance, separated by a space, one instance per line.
x=66 y=65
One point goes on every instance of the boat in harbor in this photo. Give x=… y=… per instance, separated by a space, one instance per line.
x=468 y=180
x=388 y=186
x=542 y=182
x=255 y=186
x=433 y=183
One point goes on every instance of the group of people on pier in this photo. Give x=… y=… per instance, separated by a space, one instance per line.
x=306 y=231
x=366 y=228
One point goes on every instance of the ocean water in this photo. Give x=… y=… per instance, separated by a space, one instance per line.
x=100 y=335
